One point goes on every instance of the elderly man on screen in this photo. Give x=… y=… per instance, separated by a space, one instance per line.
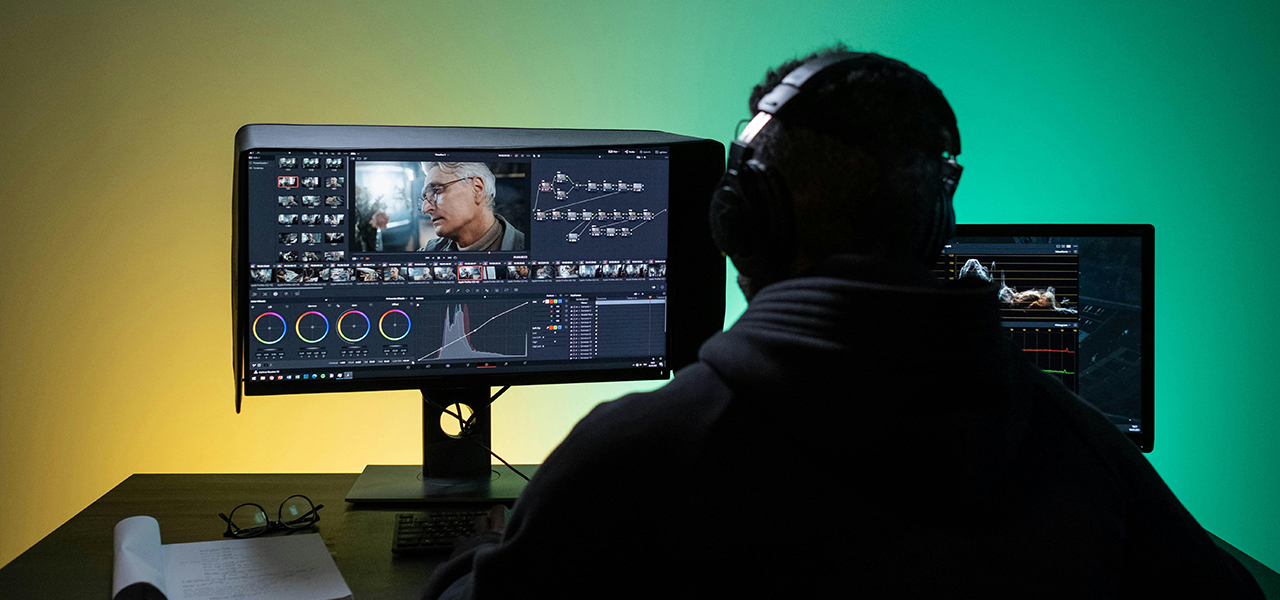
x=459 y=200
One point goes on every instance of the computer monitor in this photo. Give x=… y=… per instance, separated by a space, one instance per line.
x=1079 y=301
x=454 y=259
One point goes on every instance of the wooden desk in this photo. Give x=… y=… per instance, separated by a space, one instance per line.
x=75 y=560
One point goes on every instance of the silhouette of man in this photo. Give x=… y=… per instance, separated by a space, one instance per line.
x=862 y=428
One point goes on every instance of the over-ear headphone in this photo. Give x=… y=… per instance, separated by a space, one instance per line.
x=752 y=192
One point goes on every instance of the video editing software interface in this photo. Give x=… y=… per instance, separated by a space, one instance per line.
x=356 y=273
x=1074 y=307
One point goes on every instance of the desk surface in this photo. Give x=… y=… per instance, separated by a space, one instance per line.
x=187 y=507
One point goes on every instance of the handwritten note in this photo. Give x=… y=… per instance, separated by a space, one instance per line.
x=294 y=567
x=290 y=567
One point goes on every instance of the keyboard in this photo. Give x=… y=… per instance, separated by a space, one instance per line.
x=434 y=531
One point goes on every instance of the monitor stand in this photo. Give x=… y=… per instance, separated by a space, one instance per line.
x=453 y=469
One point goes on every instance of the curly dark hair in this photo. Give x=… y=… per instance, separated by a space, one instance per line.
x=861 y=154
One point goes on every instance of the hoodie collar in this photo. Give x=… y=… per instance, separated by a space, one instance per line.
x=853 y=313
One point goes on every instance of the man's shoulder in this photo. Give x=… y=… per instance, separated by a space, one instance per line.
x=512 y=238
x=622 y=446
x=666 y=422
x=437 y=245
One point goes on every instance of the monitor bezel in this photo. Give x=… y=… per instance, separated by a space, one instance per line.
x=1144 y=439
x=695 y=167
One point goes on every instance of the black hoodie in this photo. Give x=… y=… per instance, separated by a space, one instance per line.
x=863 y=429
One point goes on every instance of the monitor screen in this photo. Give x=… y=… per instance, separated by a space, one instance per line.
x=382 y=269
x=1077 y=299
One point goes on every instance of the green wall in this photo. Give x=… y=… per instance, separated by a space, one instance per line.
x=116 y=126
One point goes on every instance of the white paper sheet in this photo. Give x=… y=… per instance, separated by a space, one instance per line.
x=294 y=567
x=289 y=567
x=138 y=557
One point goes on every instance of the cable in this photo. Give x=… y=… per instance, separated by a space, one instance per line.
x=471 y=421
x=495 y=455
x=444 y=410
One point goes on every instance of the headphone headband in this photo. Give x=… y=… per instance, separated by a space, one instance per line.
x=806 y=74
x=791 y=85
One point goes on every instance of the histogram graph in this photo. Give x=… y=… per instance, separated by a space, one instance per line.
x=477 y=331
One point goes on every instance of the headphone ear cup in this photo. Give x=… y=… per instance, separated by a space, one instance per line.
x=735 y=211
x=951 y=171
x=750 y=201
x=768 y=226
x=726 y=218
x=944 y=213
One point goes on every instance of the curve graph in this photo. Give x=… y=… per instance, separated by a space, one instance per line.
x=478 y=331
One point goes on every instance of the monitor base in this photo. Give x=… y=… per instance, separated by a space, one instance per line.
x=455 y=464
x=405 y=484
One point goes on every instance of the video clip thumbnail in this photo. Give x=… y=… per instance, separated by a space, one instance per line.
x=288 y=275
x=315 y=274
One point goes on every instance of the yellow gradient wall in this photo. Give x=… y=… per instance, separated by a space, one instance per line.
x=116 y=129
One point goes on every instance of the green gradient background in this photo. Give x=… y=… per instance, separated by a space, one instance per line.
x=116 y=126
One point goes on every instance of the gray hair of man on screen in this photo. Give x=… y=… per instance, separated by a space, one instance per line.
x=458 y=170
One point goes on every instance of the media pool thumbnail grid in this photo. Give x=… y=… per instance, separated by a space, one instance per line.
x=289 y=257
x=309 y=162
x=293 y=219
x=295 y=267
x=290 y=238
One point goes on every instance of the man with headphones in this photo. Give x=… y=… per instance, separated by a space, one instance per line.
x=862 y=427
